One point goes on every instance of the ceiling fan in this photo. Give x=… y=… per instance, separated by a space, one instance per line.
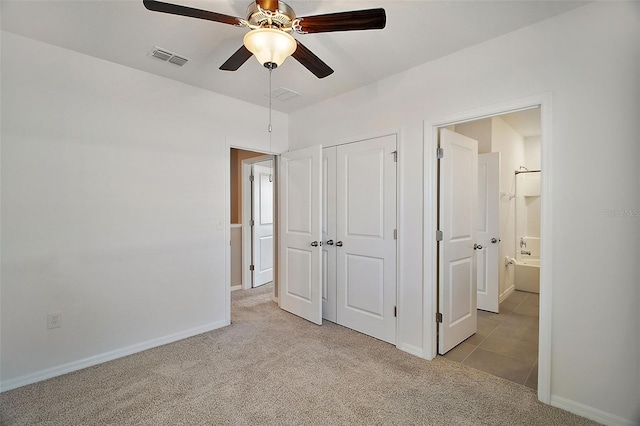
x=271 y=23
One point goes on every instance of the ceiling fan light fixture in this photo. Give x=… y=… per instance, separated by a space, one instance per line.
x=270 y=46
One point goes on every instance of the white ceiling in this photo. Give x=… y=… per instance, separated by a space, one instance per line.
x=417 y=32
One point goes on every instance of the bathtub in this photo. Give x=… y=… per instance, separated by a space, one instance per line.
x=527 y=275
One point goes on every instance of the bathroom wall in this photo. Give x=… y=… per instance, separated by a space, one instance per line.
x=532 y=152
x=528 y=204
x=528 y=201
x=495 y=135
x=479 y=130
x=510 y=145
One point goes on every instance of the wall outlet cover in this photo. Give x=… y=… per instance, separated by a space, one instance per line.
x=54 y=320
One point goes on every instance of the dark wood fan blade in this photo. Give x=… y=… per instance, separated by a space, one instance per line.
x=237 y=59
x=175 y=9
x=268 y=4
x=311 y=61
x=369 y=19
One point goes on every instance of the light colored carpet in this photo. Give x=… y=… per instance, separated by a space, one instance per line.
x=271 y=367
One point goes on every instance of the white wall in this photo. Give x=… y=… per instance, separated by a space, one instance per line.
x=590 y=62
x=532 y=152
x=114 y=182
x=479 y=130
x=510 y=145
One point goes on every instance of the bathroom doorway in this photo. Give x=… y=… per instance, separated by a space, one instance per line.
x=503 y=337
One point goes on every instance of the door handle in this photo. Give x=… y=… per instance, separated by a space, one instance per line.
x=330 y=242
x=495 y=240
x=314 y=244
x=477 y=247
x=339 y=244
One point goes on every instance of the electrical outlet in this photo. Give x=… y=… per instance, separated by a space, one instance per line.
x=54 y=320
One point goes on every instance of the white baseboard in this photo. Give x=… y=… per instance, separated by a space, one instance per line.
x=410 y=349
x=508 y=292
x=589 y=412
x=59 y=370
x=236 y=287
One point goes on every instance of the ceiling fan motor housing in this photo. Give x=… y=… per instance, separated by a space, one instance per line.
x=282 y=18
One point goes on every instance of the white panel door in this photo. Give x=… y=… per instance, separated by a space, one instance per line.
x=300 y=231
x=458 y=222
x=488 y=230
x=329 y=305
x=365 y=245
x=262 y=216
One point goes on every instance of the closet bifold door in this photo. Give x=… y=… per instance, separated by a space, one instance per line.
x=365 y=245
x=329 y=260
x=299 y=258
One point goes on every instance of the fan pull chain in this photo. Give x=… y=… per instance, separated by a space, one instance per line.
x=270 y=128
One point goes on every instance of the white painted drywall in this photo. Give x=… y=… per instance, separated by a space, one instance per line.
x=510 y=145
x=589 y=61
x=532 y=152
x=479 y=130
x=114 y=205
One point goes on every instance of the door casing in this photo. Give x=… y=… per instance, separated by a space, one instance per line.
x=430 y=221
x=247 y=202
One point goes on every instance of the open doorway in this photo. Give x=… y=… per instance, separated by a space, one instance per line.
x=252 y=197
x=503 y=337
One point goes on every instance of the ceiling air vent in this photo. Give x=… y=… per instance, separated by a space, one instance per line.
x=167 y=56
x=178 y=60
x=283 y=94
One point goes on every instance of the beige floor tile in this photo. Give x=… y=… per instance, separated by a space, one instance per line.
x=531 y=311
x=517 y=331
x=460 y=352
x=512 y=302
x=532 y=380
x=492 y=315
x=503 y=366
x=505 y=344
x=485 y=327
x=526 y=351
x=532 y=299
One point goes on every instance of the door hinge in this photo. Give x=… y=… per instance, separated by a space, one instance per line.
x=250 y=178
x=251 y=222
x=395 y=234
x=440 y=153
x=439 y=235
x=251 y=267
x=395 y=311
x=395 y=156
x=438 y=317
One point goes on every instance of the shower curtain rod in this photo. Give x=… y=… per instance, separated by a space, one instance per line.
x=527 y=171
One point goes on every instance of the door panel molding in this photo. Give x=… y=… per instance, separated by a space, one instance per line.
x=300 y=267
x=458 y=211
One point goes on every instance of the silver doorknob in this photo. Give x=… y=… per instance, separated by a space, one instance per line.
x=314 y=244
x=339 y=244
x=330 y=242
x=477 y=247
x=495 y=240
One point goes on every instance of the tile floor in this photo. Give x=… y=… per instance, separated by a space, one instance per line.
x=506 y=344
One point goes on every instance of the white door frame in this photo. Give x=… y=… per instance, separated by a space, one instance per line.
x=247 y=203
x=430 y=283
x=227 y=225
